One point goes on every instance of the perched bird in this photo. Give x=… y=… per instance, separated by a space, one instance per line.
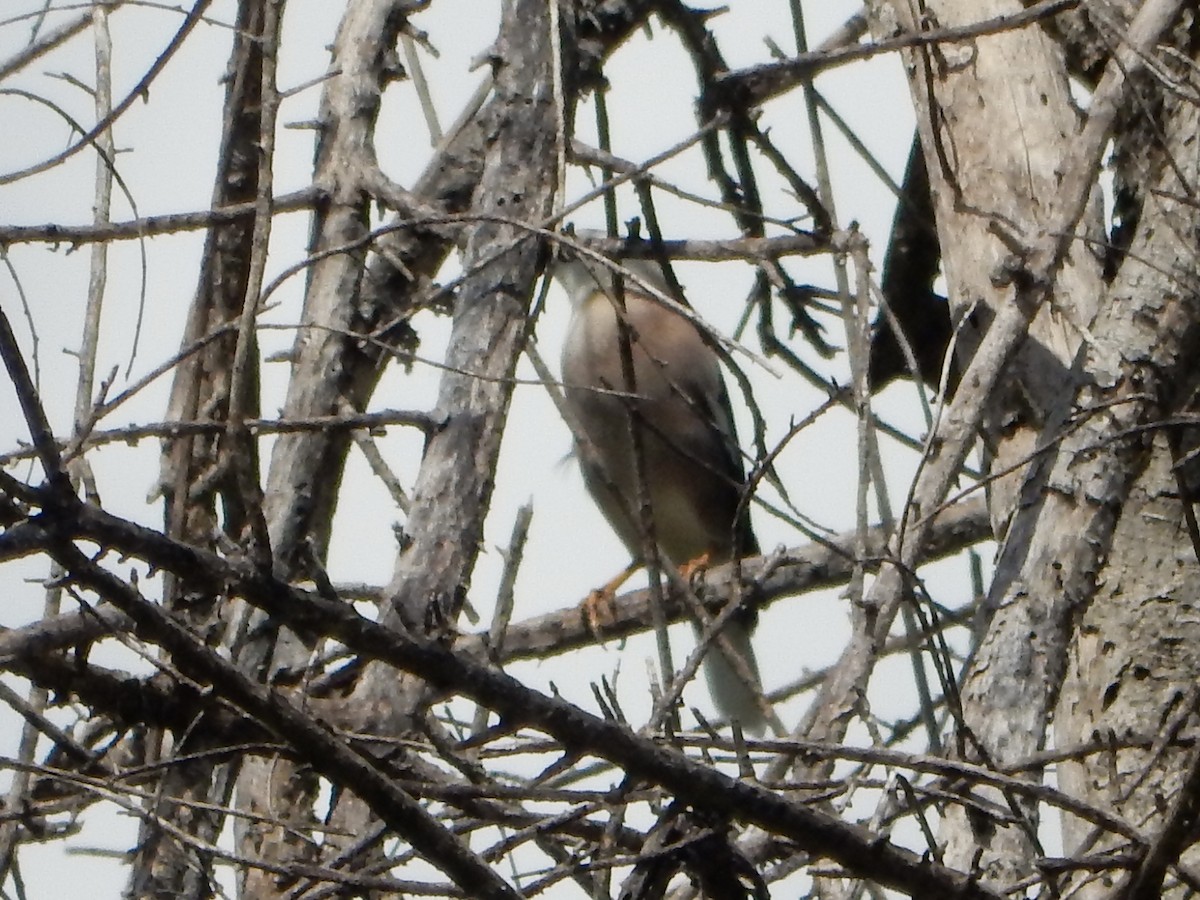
x=692 y=466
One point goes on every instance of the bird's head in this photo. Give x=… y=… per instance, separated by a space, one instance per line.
x=582 y=276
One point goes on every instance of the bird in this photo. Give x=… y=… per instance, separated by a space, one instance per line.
x=692 y=466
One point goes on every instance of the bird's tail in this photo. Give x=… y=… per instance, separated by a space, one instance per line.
x=730 y=693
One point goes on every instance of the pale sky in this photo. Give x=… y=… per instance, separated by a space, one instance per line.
x=169 y=143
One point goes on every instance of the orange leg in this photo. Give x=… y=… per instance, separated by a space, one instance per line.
x=598 y=608
x=695 y=566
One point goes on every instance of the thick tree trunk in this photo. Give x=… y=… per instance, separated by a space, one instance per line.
x=1000 y=133
x=455 y=482
x=1056 y=516
x=1135 y=652
x=202 y=475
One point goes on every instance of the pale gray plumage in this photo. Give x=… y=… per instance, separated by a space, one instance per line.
x=693 y=469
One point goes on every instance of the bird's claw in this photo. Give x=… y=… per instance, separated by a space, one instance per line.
x=599 y=611
x=694 y=567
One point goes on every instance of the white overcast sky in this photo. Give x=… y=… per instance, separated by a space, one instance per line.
x=170 y=142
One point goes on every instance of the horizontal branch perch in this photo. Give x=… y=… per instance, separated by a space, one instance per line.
x=133 y=433
x=149 y=226
x=810 y=567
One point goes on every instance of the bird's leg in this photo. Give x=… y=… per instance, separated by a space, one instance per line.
x=598 y=609
x=694 y=566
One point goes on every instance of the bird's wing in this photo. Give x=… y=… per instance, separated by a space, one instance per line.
x=698 y=414
x=716 y=409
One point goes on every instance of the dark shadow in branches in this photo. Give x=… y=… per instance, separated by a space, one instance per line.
x=909 y=269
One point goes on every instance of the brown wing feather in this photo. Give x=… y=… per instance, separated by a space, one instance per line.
x=693 y=466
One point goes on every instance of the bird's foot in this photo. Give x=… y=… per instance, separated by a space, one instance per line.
x=694 y=567
x=599 y=610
